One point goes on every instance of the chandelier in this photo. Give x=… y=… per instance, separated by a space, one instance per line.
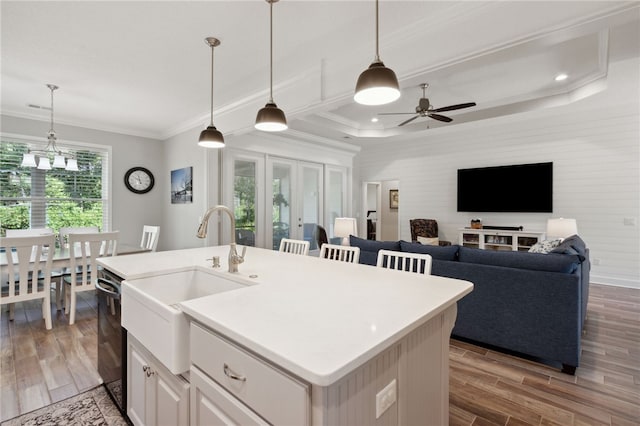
x=61 y=160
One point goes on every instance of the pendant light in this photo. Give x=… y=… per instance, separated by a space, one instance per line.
x=59 y=158
x=211 y=137
x=271 y=118
x=377 y=85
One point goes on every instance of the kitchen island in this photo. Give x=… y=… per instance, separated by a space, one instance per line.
x=301 y=340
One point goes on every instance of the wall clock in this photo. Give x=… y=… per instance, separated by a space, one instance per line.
x=139 y=180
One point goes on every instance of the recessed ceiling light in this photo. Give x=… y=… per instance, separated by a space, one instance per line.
x=561 y=77
x=374 y=120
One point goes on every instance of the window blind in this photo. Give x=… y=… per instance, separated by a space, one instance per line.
x=33 y=198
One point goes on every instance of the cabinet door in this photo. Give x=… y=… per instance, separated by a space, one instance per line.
x=137 y=389
x=213 y=406
x=171 y=403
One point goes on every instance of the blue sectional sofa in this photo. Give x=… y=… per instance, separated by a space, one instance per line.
x=527 y=303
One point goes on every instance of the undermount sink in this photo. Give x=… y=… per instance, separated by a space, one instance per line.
x=150 y=311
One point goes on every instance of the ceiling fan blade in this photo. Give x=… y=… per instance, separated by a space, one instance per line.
x=408 y=121
x=454 y=107
x=395 y=113
x=440 y=117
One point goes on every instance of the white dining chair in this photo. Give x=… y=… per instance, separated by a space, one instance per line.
x=28 y=257
x=84 y=249
x=63 y=233
x=56 y=274
x=288 y=245
x=33 y=232
x=340 y=253
x=150 y=236
x=402 y=261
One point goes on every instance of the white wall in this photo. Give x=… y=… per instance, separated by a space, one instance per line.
x=594 y=146
x=180 y=221
x=129 y=211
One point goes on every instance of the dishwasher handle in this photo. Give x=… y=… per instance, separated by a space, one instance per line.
x=114 y=290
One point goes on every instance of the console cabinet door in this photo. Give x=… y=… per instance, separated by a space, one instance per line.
x=213 y=406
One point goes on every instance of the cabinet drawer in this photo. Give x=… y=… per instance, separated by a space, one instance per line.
x=276 y=396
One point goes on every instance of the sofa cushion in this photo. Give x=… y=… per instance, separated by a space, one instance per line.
x=436 y=252
x=572 y=245
x=369 y=249
x=551 y=262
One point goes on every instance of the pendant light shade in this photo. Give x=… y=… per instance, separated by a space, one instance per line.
x=377 y=85
x=211 y=137
x=271 y=118
x=28 y=160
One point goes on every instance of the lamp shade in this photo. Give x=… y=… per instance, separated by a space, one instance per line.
x=271 y=119
x=211 y=138
x=72 y=165
x=377 y=85
x=28 y=160
x=343 y=227
x=58 y=161
x=44 y=163
x=561 y=228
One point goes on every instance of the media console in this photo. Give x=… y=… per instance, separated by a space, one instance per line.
x=499 y=239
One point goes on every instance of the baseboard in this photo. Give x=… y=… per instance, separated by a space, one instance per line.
x=617 y=282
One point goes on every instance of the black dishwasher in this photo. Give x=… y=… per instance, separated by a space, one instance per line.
x=112 y=341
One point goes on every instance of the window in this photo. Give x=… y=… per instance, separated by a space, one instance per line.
x=33 y=198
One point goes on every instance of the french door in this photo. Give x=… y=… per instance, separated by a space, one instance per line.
x=274 y=198
x=295 y=195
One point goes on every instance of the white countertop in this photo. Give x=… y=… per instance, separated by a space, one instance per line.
x=317 y=318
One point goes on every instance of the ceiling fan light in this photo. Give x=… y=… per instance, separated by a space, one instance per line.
x=72 y=165
x=44 y=163
x=59 y=161
x=211 y=138
x=28 y=160
x=377 y=85
x=271 y=119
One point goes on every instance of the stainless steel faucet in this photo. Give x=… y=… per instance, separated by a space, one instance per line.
x=234 y=258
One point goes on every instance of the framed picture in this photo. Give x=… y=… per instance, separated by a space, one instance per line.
x=182 y=186
x=393 y=198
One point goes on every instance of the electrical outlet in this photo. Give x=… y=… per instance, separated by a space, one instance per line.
x=385 y=398
x=596 y=261
x=629 y=221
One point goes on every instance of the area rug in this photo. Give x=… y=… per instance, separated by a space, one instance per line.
x=93 y=407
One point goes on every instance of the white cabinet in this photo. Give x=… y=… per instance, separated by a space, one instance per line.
x=499 y=239
x=213 y=406
x=155 y=396
x=242 y=383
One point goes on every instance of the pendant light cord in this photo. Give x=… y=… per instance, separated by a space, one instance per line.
x=212 y=85
x=271 y=52
x=377 y=43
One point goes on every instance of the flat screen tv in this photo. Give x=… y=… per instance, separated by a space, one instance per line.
x=520 y=188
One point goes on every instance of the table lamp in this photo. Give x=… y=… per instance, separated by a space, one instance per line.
x=343 y=227
x=561 y=228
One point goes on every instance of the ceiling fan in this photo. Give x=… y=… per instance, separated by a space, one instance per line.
x=425 y=109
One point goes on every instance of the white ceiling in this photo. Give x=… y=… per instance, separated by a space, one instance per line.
x=143 y=68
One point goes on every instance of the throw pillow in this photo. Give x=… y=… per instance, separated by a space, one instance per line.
x=545 y=246
x=429 y=241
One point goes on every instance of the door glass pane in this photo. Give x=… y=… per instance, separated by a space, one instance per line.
x=335 y=198
x=244 y=201
x=282 y=209
x=311 y=209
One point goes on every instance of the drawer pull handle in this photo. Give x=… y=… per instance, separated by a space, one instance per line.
x=230 y=374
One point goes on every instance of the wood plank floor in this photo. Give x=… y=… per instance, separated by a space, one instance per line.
x=486 y=387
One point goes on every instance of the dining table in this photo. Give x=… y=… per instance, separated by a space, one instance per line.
x=62 y=256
